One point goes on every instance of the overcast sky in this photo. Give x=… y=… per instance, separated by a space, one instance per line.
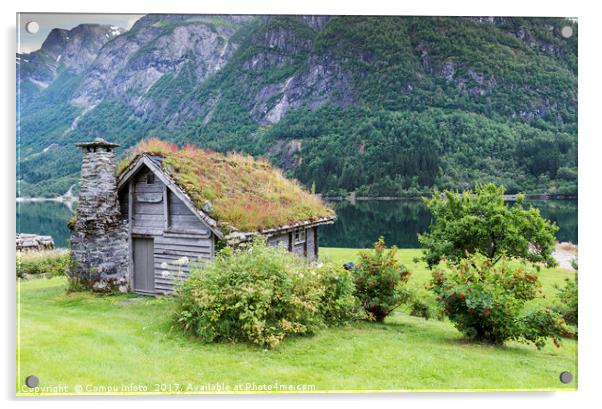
x=30 y=42
x=47 y=21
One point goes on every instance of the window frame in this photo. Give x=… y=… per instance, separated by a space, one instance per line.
x=299 y=236
x=150 y=176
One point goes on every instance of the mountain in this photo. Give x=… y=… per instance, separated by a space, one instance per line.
x=372 y=105
x=64 y=50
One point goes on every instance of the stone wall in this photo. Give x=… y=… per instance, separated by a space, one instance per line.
x=33 y=242
x=99 y=237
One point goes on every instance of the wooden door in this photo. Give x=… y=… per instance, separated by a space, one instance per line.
x=144 y=266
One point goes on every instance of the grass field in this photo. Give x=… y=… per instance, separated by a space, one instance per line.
x=86 y=343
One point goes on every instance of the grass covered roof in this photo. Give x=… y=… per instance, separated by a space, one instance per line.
x=234 y=189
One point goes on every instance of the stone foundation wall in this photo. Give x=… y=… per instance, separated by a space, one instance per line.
x=99 y=237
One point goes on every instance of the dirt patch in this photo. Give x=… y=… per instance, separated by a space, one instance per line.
x=565 y=253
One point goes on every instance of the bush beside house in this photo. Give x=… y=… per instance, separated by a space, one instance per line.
x=262 y=295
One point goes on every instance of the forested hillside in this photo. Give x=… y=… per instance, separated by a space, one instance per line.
x=372 y=105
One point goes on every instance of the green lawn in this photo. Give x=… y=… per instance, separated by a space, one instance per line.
x=108 y=342
x=421 y=274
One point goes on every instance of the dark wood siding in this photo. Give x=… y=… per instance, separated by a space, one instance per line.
x=298 y=247
x=176 y=255
x=310 y=243
x=306 y=248
x=281 y=239
x=148 y=217
x=124 y=202
x=178 y=235
x=181 y=218
x=179 y=239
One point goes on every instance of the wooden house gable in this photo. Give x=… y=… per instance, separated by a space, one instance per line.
x=158 y=204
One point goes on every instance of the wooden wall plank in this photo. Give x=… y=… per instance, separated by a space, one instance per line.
x=316 y=244
x=130 y=242
x=183 y=251
x=146 y=231
x=149 y=217
x=186 y=241
x=149 y=208
x=142 y=187
x=165 y=207
x=179 y=208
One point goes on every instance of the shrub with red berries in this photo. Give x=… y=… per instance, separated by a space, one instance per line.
x=488 y=303
x=379 y=280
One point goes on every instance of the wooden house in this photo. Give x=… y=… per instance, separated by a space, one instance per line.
x=181 y=205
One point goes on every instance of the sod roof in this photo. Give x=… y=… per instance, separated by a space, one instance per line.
x=236 y=190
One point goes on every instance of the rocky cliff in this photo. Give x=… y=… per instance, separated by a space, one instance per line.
x=378 y=105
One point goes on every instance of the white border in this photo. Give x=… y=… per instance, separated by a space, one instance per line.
x=590 y=94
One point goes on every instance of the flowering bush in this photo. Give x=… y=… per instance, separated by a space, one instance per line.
x=379 y=279
x=489 y=302
x=261 y=295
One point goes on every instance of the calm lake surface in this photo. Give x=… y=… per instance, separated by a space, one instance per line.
x=358 y=225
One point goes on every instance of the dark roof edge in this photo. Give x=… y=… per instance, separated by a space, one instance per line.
x=294 y=226
x=242 y=236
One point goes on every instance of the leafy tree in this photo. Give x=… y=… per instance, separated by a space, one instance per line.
x=481 y=221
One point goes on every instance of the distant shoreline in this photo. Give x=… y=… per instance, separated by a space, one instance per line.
x=59 y=199
x=393 y=198
x=65 y=198
x=68 y=198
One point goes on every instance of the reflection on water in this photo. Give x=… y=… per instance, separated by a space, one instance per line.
x=46 y=218
x=358 y=225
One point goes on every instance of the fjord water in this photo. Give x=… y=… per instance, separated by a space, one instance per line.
x=45 y=218
x=358 y=225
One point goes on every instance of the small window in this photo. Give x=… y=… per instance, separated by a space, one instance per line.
x=299 y=236
x=150 y=178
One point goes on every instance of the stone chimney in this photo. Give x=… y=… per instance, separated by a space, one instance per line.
x=99 y=236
